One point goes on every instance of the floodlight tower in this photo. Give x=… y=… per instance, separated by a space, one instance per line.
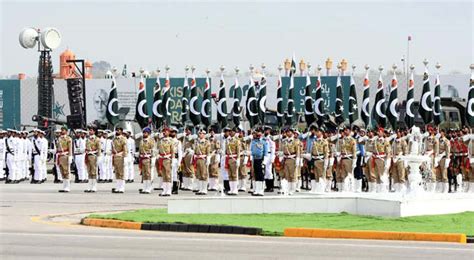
x=48 y=39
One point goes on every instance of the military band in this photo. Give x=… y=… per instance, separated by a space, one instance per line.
x=232 y=162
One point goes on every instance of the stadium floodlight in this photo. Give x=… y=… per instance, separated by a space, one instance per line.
x=50 y=38
x=28 y=38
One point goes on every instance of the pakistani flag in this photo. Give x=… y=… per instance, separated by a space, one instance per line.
x=290 y=111
x=185 y=101
x=365 y=113
x=353 y=109
x=392 y=109
x=166 y=100
x=206 y=104
x=425 y=109
x=409 y=115
x=251 y=104
x=437 y=102
x=222 y=104
x=280 y=112
x=141 y=111
x=319 y=101
x=236 y=109
x=112 y=105
x=194 y=108
x=379 y=107
x=470 y=102
x=156 y=108
x=308 y=102
x=262 y=100
x=339 y=108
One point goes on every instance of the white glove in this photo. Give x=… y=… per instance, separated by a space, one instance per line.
x=405 y=163
x=69 y=159
x=306 y=156
x=354 y=164
x=446 y=163
x=387 y=166
x=298 y=162
x=384 y=178
x=218 y=157
x=208 y=160
x=280 y=154
x=237 y=163
x=246 y=159
x=436 y=162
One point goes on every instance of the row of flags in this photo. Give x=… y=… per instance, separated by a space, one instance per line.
x=383 y=114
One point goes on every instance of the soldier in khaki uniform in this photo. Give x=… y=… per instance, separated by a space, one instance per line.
x=381 y=161
x=332 y=140
x=468 y=180
x=319 y=157
x=188 y=167
x=291 y=154
x=64 y=157
x=147 y=145
x=398 y=169
x=370 y=160
x=166 y=154
x=347 y=161
x=158 y=169
x=215 y=160
x=232 y=161
x=119 y=152
x=444 y=155
x=93 y=148
x=202 y=152
x=244 y=159
x=431 y=145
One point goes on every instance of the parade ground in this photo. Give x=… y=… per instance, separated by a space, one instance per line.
x=37 y=221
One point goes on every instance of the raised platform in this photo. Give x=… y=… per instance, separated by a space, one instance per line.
x=374 y=204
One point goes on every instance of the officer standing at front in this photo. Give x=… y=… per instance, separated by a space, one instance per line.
x=260 y=156
x=146 y=148
x=119 y=152
x=93 y=149
x=64 y=157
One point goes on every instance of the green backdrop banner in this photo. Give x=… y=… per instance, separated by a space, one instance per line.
x=10 y=104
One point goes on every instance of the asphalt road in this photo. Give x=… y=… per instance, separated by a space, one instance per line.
x=38 y=222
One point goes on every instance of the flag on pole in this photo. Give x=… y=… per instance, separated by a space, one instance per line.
x=365 y=112
x=206 y=104
x=185 y=101
x=112 y=105
x=236 y=109
x=319 y=101
x=280 y=112
x=290 y=112
x=470 y=101
x=392 y=109
x=262 y=99
x=339 y=109
x=353 y=109
x=194 y=107
x=251 y=104
x=222 y=104
x=141 y=110
x=165 y=102
x=409 y=115
x=379 y=107
x=437 y=102
x=156 y=108
x=425 y=109
x=308 y=102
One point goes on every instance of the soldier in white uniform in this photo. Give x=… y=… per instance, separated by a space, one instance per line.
x=58 y=178
x=269 y=183
x=38 y=154
x=223 y=138
x=79 y=156
x=108 y=156
x=11 y=158
x=177 y=159
x=129 y=160
x=2 y=154
x=101 y=156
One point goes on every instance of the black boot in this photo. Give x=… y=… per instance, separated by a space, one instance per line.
x=226 y=186
x=269 y=183
x=175 y=188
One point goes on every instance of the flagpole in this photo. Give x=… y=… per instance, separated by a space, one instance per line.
x=408 y=58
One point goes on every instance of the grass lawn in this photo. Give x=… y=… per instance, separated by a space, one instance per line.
x=274 y=224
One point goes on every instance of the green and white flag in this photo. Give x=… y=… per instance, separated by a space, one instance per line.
x=365 y=111
x=410 y=109
x=222 y=104
x=185 y=101
x=426 y=105
x=166 y=100
x=252 y=104
x=379 y=107
x=280 y=114
x=339 y=109
x=392 y=109
x=319 y=103
x=194 y=107
x=353 y=110
x=470 y=102
x=206 y=108
x=112 y=105
x=156 y=108
x=308 y=102
x=290 y=111
x=141 y=110
x=437 y=102
x=262 y=99
x=236 y=108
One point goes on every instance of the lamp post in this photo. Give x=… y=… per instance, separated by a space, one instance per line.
x=343 y=66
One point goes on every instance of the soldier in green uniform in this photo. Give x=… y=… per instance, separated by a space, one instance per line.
x=64 y=157
x=93 y=148
x=165 y=156
x=119 y=152
x=147 y=145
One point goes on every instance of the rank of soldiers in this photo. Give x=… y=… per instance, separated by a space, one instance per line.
x=233 y=161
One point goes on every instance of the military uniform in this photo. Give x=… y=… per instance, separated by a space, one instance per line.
x=331 y=164
x=79 y=157
x=348 y=150
x=431 y=150
x=166 y=154
x=319 y=159
x=291 y=153
x=259 y=152
x=202 y=151
x=243 y=168
x=188 y=167
x=398 y=169
x=214 y=164
x=232 y=162
x=93 y=149
x=444 y=153
x=119 y=152
x=64 y=157
x=469 y=175
x=381 y=163
x=146 y=149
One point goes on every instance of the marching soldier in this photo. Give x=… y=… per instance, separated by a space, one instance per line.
x=93 y=149
x=319 y=161
x=108 y=159
x=101 y=157
x=232 y=161
x=64 y=156
x=347 y=161
x=58 y=178
x=146 y=148
x=443 y=158
x=215 y=160
x=291 y=150
x=202 y=151
x=260 y=156
x=381 y=161
x=399 y=148
x=431 y=146
x=119 y=152
x=165 y=157
x=11 y=146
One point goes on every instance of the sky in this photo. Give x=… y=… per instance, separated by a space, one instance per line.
x=153 y=34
